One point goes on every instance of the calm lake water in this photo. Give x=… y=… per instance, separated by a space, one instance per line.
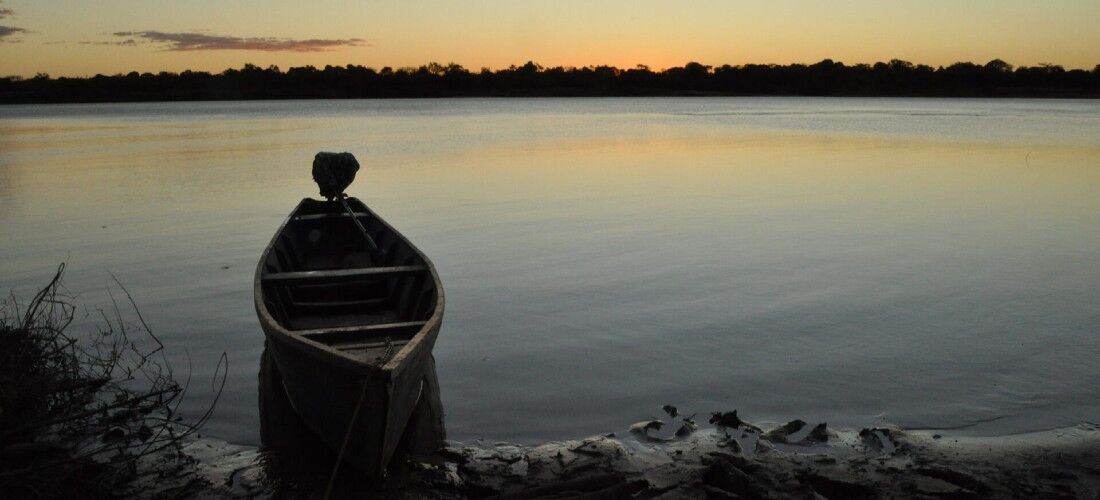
x=924 y=262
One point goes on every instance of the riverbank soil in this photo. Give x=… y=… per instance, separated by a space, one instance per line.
x=872 y=463
x=710 y=463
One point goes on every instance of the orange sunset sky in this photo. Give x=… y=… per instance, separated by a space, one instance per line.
x=82 y=38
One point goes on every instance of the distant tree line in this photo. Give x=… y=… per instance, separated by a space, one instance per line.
x=826 y=78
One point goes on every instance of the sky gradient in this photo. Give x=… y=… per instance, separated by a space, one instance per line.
x=82 y=38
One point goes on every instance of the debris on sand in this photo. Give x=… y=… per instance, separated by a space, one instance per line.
x=729 y=420
x=685 y=430
x=670 y=410
x=781 y=433
x=795 y=432
x=879 y=439
x=645 y=426
x=819 y=434
x=687 y=427
x=699 y=466
x=696 y=467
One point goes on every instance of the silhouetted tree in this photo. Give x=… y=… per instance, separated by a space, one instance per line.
x=827 y=77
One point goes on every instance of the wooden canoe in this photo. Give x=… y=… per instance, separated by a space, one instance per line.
x=350 y=329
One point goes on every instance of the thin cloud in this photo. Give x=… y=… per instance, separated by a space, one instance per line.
x=201 y=41
x=7 y=31
x=129 y=42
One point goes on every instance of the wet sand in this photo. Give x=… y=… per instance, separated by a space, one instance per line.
x=725 y=455
x=885 y=463
x=710 y=463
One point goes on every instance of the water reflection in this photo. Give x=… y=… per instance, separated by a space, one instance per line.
x=298 y=463
x=931 y=260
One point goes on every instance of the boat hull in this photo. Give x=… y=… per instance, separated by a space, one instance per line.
x=354 y=376
x=325 y=396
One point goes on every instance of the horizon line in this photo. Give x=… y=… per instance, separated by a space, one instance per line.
x=565 y=67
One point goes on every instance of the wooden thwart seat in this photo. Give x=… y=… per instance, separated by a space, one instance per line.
x=329 y=216
x=340 y=275
x=376 y=344
x=341 y=303
x=360 y=333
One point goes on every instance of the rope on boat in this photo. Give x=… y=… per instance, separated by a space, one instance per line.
x=379 y=362
x=343 y=197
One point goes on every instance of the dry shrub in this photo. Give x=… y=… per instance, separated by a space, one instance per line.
x=79 y=413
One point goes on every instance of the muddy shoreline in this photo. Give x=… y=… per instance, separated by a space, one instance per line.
x=721 y=455
x=886 y=462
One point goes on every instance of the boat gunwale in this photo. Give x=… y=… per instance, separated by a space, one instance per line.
x=326 y=352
